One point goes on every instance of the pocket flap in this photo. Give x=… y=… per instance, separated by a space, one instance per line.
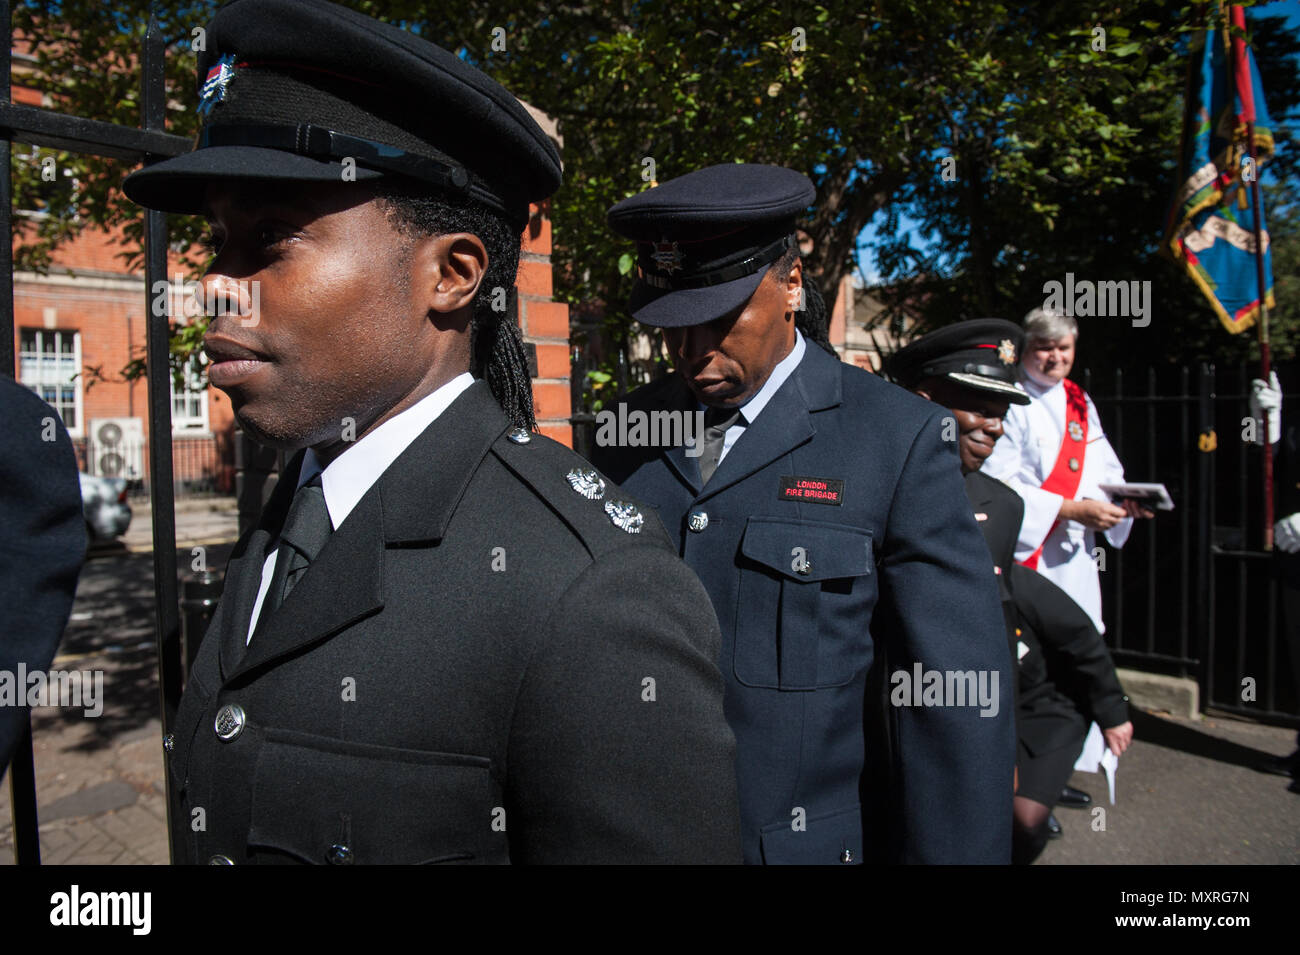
x=807 y=551
x=825 y=839
x=383 y=805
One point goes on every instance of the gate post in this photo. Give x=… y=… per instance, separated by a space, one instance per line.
x=157 y=353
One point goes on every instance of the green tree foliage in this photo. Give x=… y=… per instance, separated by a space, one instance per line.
x=1025 y=211
x=1063 y=151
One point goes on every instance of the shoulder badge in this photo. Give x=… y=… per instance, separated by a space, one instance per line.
x=625 y=516
x=1007 y=352
x=213 y=90
x=587 y=483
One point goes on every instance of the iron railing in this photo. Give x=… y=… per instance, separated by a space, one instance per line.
x=42 y=127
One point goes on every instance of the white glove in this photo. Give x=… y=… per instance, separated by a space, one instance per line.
x=1267 y=398
x=1286 y=534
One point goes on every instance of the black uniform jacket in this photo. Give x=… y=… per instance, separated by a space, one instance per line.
x=998 y=515
x=1067 y=678
x=813 y=590
x=478 y=667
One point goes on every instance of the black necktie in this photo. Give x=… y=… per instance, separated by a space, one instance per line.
x=716 y=423
x=304 y=534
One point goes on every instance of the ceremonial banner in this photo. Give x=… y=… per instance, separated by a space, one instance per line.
x=1211 y=225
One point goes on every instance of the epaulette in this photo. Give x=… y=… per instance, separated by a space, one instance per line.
x=598 y=511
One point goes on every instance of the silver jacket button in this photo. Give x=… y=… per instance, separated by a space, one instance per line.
x=169 y=742
x=698 y=521
x=221 y=860
x=846 y=855
x=339 y=855
x=229 y=722
x=519 y=436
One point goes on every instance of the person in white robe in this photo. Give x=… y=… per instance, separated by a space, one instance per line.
x=1061 y=531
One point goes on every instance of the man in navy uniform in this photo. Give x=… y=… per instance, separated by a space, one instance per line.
x=1066 y=676
x=448 y=640
x=825 y=516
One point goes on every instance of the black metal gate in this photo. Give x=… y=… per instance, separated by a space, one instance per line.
x=40 y=127
x=1192 y=593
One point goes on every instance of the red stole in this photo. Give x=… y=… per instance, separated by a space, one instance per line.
x=1067 y=472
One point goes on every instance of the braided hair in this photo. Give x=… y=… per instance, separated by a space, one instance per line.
x=497 y=352
x=813 y=320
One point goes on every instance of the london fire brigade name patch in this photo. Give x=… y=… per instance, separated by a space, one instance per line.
x=812 y=490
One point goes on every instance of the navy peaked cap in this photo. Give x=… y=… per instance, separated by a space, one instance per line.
x=982 y=354
x=705 y=239
x=290 y=89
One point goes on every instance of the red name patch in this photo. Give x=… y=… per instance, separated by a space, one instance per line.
x=812 y=490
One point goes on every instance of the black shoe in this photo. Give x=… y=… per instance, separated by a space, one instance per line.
x=1073 y=798
x=1053 y=828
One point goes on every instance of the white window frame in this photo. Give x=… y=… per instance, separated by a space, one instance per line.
x=185 y=425
x=77 y=394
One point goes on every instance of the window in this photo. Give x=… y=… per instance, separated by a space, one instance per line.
x=49 y=363
x=190 y=404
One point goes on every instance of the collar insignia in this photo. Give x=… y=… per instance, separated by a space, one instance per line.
x=213 y=90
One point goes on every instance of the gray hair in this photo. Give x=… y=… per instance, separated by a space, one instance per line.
x=1045 y=325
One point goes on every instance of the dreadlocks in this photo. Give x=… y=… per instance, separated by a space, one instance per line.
x=496 y=348
x=812 y=320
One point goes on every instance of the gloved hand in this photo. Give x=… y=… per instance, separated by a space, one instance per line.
x=1286 y=534
x=1267 y=399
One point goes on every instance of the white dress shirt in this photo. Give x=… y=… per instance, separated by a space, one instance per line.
x=1023 y=458
x=755 y=405
x=349 y=476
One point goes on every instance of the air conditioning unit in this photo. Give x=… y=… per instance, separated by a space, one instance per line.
x=116 y=448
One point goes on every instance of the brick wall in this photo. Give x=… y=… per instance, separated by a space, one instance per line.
x=545 y=324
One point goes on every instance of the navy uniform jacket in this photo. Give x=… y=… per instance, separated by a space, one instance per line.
x=896 y=568
x=42 y=542
x=461 y=676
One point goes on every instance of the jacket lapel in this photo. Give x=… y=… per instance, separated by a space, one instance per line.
x=675 y=396
x=244 y=572
x=412 y=503
x=785 y=423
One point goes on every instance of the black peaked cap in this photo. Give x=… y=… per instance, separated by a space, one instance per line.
x=705 y=239
x=982 y=354
x=289 y=88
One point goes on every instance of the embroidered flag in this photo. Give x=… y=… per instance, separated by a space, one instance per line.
x=1210 y=229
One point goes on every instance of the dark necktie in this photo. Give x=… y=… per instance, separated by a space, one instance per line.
x=304 y=534
x=716 y=423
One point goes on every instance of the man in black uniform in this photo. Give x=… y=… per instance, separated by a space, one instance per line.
x=448 y=639
x=1066 y=676
x=824 y=515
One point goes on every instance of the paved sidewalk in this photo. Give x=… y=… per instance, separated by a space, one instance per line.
x=199 y=521
x=99 y=784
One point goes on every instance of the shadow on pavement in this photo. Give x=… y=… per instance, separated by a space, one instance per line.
x=1172 y=735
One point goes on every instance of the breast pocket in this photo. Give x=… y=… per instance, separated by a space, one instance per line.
x=323 y=800
x=804 y=604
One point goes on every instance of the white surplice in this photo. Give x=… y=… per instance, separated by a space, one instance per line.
x=1023 y=458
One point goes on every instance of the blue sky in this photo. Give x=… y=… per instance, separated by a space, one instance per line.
x=866 y=238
